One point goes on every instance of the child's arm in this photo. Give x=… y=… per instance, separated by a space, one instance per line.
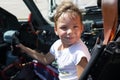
x=81 y=65
x=44 y=59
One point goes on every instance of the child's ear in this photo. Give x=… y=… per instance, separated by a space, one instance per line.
x=55 y=30
x=82 y=28
x=56 y=33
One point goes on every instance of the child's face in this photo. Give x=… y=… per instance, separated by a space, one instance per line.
x=69 y=28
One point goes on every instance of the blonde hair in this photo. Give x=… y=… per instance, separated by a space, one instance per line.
x=66 y=6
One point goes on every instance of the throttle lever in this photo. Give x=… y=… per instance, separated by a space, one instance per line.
x=10 y=37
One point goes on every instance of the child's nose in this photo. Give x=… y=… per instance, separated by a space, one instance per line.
x=69 y=31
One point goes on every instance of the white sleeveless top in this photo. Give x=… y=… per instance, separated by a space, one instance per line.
x=68 y=58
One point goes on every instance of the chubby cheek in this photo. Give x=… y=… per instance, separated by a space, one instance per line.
x=77 y=34
x=61 y=33
x=80 y=31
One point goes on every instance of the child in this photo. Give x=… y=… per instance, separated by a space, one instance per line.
x=69 y=51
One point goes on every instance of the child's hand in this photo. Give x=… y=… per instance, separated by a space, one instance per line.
x=21 y=46
x=16 y=41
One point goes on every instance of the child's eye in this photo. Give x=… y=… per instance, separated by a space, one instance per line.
x=64 y=28
x=75 y=27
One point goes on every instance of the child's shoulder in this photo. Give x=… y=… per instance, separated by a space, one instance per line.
x=57 y=43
